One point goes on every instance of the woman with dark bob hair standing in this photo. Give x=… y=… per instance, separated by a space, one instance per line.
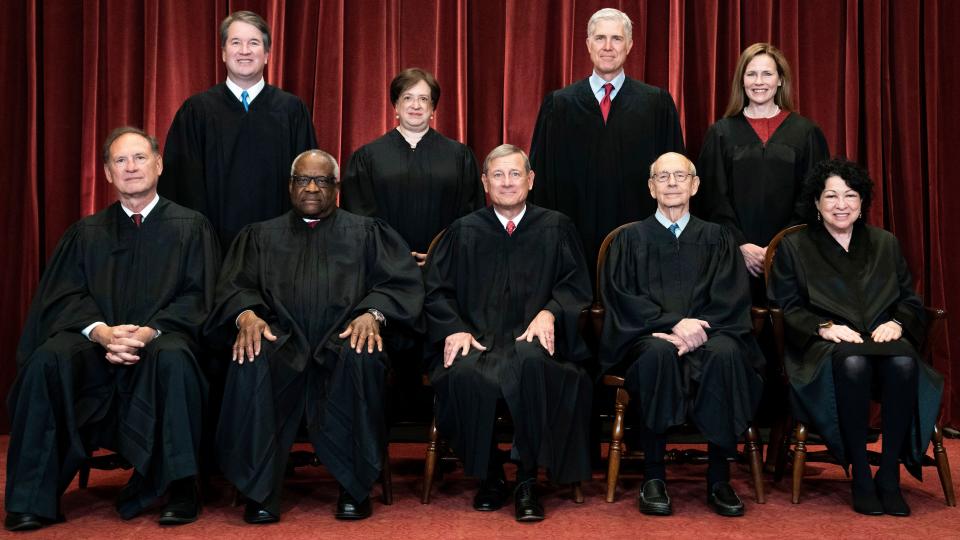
x=755 y=158
x=853 y=326
x=414 y=178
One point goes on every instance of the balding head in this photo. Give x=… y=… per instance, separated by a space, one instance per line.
x=309 y=157
x=314 y=178
x=673 y=180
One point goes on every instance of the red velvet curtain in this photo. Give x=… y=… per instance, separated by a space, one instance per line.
x=873 y=74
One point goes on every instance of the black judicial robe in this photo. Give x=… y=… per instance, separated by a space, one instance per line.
x=231 y=165
x=814 y=280
x=417 y=191
x=308 y=284
x=597 y=173
x=753 y=188
x=652 y=280
x=68 y=399
x=482 y=281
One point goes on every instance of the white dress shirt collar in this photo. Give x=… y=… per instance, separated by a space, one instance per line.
x=146 y=209
x=682 y=222
x=597 y=82
x=515 y=220
x=252 y=92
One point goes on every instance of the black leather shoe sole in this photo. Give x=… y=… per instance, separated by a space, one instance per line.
x=22 y=522
x=351 y=510
x=723 y=509
x=255 y=514
x=178 y=517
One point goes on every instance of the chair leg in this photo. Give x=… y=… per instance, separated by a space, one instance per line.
x=774 y=447
x=430 y=463
x=799 y=460
x=84 y=476
x=943 y=466
x=616 y=443
x=780 y=464
x=577 y=492
x=386 y=478
x=756 y=467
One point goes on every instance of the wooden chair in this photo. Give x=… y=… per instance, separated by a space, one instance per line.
x=437 y=450
x=779 y=437
x=616 y=452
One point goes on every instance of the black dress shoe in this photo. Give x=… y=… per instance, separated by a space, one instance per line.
x=255 y=514
x=892 y=501
x=492 y=494
x=527 y=505
x=724 y=500
x=16 y=521
x=866 y=501
x=654 y=500
x=183 y=505
x=349 y=508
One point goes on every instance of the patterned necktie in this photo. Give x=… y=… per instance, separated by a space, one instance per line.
x=511 y=226
x=137 y=219
x=243 y=97
x=675 y=229
x=605 y=102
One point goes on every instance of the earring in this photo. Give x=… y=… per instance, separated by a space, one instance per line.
x=397 y=116
x=818 y=217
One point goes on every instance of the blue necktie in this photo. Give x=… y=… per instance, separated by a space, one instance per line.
x=243 y=97
x=675 y=229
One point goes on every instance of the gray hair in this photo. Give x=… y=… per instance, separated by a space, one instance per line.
x=128 y=130
x=250 y=18
x=690 y=163
x=610 y=14
x=505 y=150
x=316 y=153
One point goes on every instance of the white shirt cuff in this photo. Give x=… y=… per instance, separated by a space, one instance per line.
x=86 y=331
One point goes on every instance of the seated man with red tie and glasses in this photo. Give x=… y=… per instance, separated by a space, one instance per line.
x=505 y=287
x=108 y=356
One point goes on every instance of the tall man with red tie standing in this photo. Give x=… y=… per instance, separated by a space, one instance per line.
x=595 y=140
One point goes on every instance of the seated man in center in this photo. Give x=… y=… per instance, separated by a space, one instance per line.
x=307 y=296
x=677 y=326
x=505 y=287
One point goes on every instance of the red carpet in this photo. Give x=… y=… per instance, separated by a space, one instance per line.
x=824 y=511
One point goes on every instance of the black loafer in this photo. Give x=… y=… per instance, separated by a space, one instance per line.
x=17 y=521
x=866 y=502
x=654 y=500
x=349 y=508
x=724 y=500
x=892 y=502
x=527 y=503
x=183 y=505
x=492 y=495
x=255 y=514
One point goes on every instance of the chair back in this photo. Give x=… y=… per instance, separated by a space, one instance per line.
x=772 y=249
x=596 y=310
x=433 y=245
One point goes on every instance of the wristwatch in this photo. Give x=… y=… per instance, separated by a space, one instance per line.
x=824 y=325
x=377 y=316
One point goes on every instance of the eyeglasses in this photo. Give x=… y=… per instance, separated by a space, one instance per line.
x=407 y=99
x=679 y=176
x=320 y=181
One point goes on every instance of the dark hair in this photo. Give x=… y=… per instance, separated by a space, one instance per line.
x=250 y=18
x=411 y=76
x=125 y=130
x=855 y=176
x=738 y=96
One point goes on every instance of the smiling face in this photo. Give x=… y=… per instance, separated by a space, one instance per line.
x=839 y=205
x=761 y=79
x=415 y=107
x=507 y=183
x=673 y=183
x=133 y=168
x=244 y=54
x=608 y=47
x=313 y=201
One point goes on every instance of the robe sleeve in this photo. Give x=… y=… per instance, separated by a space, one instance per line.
x=183 y=178
x=393 y=280
x=714 y=195
x=669 y=135
x=543 y=155
x=728 y=310
x=302 y=132
x=238 y=288
x=441 y=309
x=784 y=290
x=62 y=301
x=357 y=193
x=630 y=311
x=909 y=311
x=815 y=151
x=187 y=312
x=571 y=294
x=474 y=197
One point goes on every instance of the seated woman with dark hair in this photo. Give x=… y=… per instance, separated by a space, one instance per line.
x=854 y=326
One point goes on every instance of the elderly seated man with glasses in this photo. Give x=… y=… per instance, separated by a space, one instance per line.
x=308 y=299
x=677 y=327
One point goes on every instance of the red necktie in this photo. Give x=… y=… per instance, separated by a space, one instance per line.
x=137 y=219
x=605 y=102
x=313 y=224
x=511 y=226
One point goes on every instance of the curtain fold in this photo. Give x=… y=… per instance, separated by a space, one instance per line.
x=876 y=76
